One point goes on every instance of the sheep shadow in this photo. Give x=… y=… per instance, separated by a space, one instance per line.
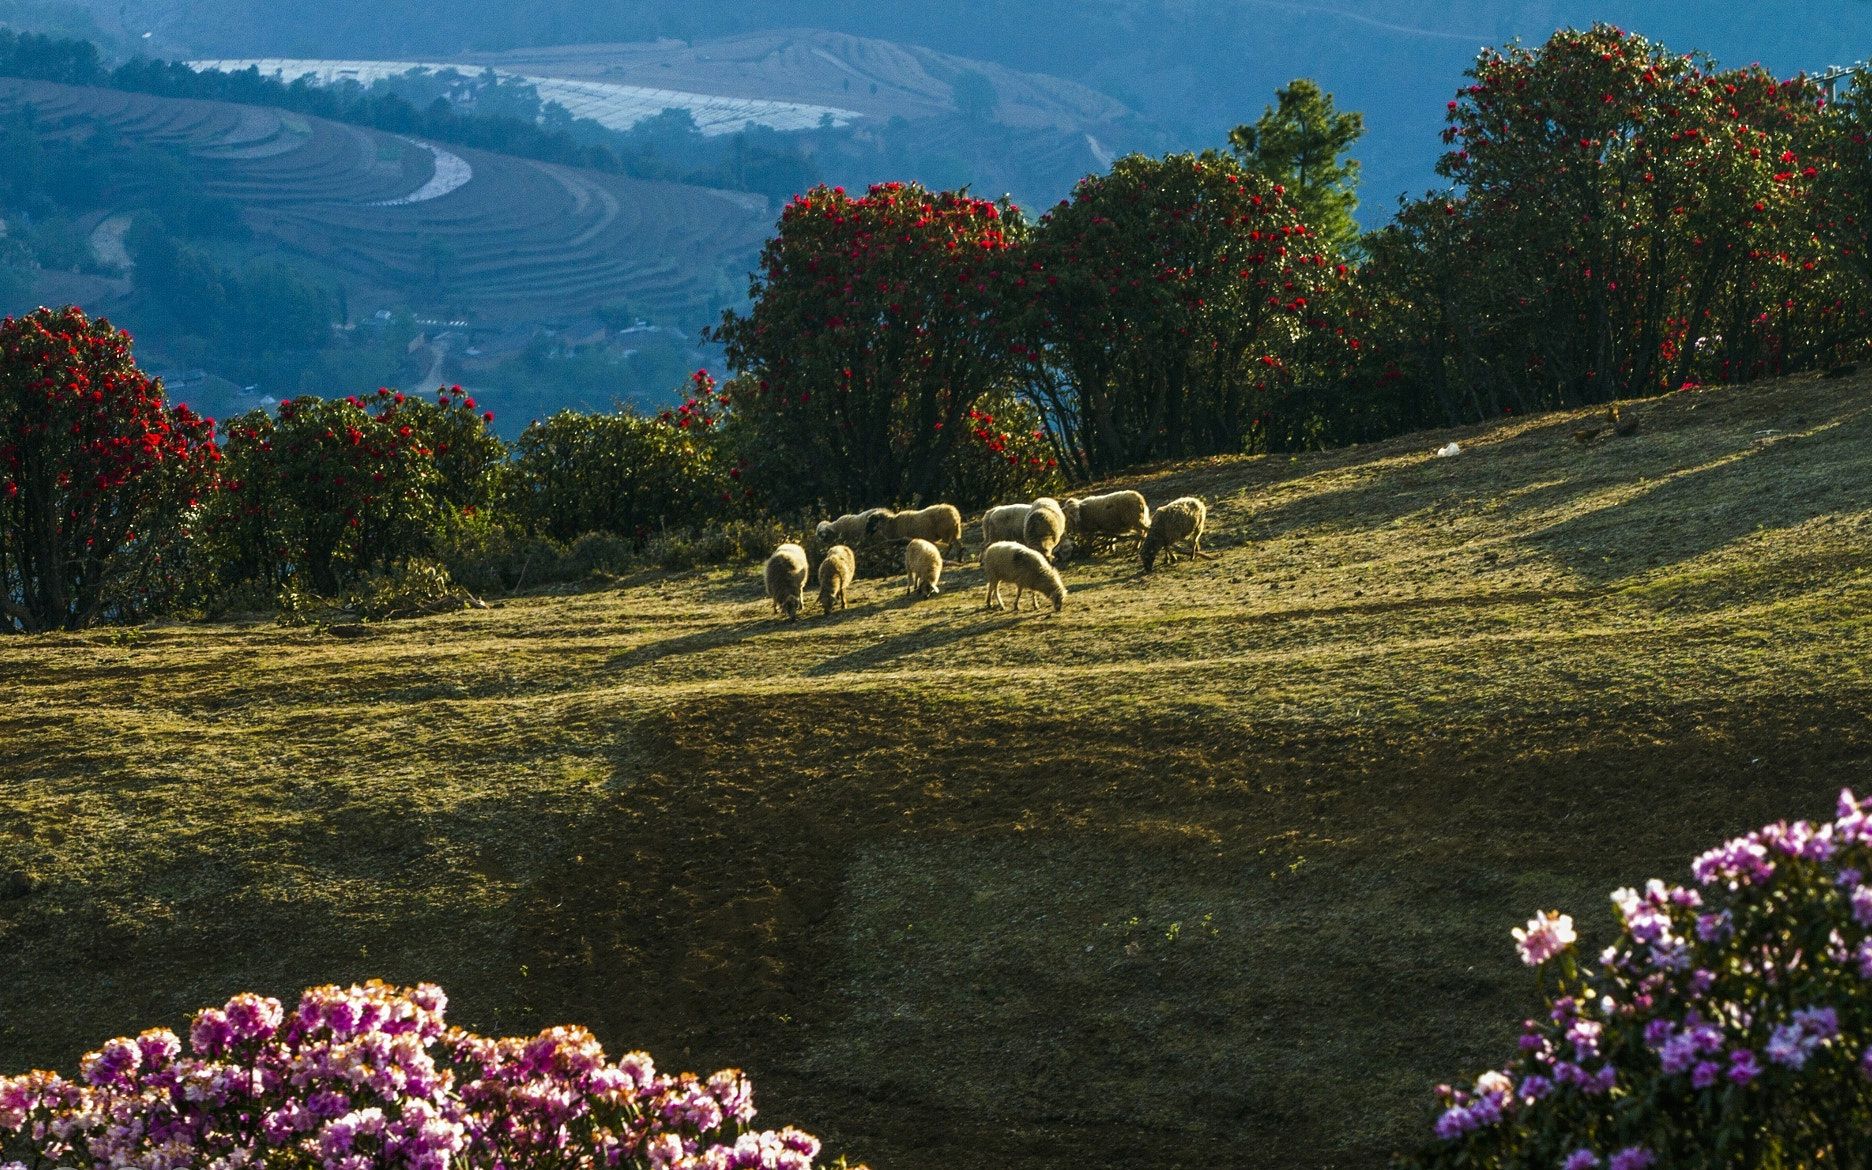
x=699 y=642
x=890 y=649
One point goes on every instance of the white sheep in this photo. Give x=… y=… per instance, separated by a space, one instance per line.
x=1007 y=522
x=835 y=573
x=1010 y=562
x=849 y=528
x=1045 y=526
x=923 y=565
x=1181 y=519
x=1112 y=516
x=939 y=524
x=785 y=576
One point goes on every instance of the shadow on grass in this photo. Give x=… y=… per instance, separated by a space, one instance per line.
x=890 y=649
x=695 y=643
x=1670 y=494
x=1769 y=482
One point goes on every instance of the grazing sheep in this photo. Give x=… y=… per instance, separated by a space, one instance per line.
x=1007 y=522
x=835 y=573
x=1008 y=561
x=1179 y=520
x=939 y=524
x=923 y=563
x=786 y=580
x=849 y=528
x=1045 y=527
x=1112 y=516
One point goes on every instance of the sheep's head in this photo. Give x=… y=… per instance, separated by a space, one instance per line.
x=790 y=606
x=1058 y=594
x=875 y=522
x=1149 y=550
x=1070 y=507
x=825 y=532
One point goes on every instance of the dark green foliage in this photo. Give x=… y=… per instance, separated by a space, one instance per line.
x=1299 y=144
x=617 y=473
x=974 y=95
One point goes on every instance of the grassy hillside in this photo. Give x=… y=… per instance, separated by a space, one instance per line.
x=1215 y=868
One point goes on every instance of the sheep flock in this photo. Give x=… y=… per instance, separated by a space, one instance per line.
x=1022 y=547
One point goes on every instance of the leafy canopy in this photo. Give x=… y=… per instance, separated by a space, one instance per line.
x=1299 y=144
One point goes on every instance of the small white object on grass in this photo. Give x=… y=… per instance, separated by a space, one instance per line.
x=1450 y=448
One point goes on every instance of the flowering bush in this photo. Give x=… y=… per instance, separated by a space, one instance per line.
x=877 y=323
x=1625 y=220
x=1006 y=456
x=99 y=479
x=336 y=488
x=1180 y=306
x=1729 y=1025
x=372 y=1078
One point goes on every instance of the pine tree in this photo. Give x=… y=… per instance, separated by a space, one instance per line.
x=1298 y=144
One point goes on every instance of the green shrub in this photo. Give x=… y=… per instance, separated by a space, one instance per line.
x=622 y=473
x=729 y=542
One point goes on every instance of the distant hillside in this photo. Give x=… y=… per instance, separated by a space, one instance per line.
x=511 y=239
x=880 y=79
x=886 y=111
x=1194 y=69
x=1216 y=868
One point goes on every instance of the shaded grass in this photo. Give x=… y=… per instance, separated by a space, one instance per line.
x=1215 y=867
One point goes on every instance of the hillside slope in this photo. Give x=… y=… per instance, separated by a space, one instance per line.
x=888 y=111
x=507 y=238
x=1195 y=69
x=879 y=79
x=1215 y=868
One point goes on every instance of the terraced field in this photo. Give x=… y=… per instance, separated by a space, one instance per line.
x=877 y=78
x=608 y=103
x=507 y=238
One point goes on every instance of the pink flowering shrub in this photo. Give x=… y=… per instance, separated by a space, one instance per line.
x=1729 y=1025
x=369 y=1077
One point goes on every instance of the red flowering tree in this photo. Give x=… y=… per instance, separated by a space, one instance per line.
x=1008 y=454
x=1629 y=219
x=335 y=488
x=98 y=476
x=877 y=323
x=1175 y=302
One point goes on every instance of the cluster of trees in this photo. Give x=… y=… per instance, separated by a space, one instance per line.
x=1623 y=221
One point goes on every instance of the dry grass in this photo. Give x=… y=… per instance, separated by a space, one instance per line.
x=1215 y=868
